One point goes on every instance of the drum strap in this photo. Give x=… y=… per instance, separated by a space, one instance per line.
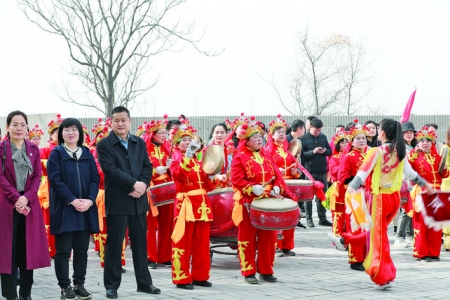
x=186 y=213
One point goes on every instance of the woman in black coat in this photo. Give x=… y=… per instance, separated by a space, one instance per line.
x=74 y=181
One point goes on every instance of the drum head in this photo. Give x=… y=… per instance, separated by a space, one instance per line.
x=443 y=159
x=295 y=147
x=213 y=159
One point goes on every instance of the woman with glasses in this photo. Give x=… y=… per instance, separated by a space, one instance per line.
x=23 y=241
x=74 y=184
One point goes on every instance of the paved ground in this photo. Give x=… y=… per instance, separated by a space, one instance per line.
x=317 y=272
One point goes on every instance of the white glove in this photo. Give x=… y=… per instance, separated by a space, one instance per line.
x=211 y=177
x=192 y=148
x=161 y=170
x=257 y=189
x=275 y=191
x=168 y=162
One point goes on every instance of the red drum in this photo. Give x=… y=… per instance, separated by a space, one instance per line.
x=222 y=226
x=163 y=193
x=274 y=213
x=303 y=189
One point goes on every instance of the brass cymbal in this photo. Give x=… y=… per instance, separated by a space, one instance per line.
x=295 y=147
x=442 y=163
x=213 y=159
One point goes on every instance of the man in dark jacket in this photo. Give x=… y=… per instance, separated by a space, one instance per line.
x=315 y=149
x=124 y=160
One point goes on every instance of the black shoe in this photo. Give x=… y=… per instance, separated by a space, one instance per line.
x=81 y=292
x=24 y=298
x=167 y=263
x=325 y=222
x=152 y=265
x=186 y=286
x=204 y=283
x=425 y=258
x=309 y=223
x=111 y=293
x=299 y=224
x=268 y=278
x=357 y=267
x=288 y=252
x=12 y=298
x=123 y=271
x=149 y=289
x=68 y=293
x=251 y=279
x=435 y=258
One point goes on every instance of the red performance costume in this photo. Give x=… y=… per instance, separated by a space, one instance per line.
x=351 y=161
x=288 y=167
x=424 y=159
x=251 y=170
x=44 y=187
x=334 y=193
x=193 y=214
x=159 y=219
x=383 y=172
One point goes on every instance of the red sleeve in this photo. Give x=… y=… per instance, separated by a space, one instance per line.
x=345 y=169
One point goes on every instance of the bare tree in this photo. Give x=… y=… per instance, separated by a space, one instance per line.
x=110 y=43
x=329 y=78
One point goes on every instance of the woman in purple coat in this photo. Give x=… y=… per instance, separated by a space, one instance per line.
x=23 y=240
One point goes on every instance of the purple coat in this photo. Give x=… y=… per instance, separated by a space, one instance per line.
x=36 y=240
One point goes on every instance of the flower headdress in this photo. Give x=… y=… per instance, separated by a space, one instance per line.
x=250 y=128
x=279 y=122
x=341 y=134
x=101 y=130
x=35 y=132
x=426 y=133
x=357 y=129
x=185 y=129
x=53 y=124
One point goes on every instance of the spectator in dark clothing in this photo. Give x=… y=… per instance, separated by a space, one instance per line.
x=372 y=138
x=315 y=149
x=308 y=122
x=296 y=130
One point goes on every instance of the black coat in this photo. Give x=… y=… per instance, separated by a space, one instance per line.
x=315 y=163
x=122 y=168
x=69 y=180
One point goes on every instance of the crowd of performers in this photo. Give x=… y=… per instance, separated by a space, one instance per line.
x=381 y=158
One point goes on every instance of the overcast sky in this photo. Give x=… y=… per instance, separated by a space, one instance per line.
x=409 y=41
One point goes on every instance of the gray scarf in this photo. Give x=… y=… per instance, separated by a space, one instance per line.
x=22 y=165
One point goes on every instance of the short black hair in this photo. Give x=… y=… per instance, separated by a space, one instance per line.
x=432 y=125
x=339 y=126
x=172 y=123
x=69 y=122
x=310 y=118
x=316 y=123
x=119 y=109
x=296 y=125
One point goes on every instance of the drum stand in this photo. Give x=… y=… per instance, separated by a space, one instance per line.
x=221 y=243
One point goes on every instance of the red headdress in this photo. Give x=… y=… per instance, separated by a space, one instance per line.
x=53 y=124
x=35 y=132
x=101 y=130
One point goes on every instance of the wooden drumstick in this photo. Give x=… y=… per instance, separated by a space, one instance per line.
x=271 y=179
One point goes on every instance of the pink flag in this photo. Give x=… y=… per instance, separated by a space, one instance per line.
x=407 y=112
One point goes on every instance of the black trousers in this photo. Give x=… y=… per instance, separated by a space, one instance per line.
x=19 y=260
x=65 y=242
x=321 y=211
x=137 y=231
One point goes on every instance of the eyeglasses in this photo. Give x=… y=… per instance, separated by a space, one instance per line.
x=17 y=125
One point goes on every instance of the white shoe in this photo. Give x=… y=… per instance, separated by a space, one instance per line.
x=336 y=240
x=400 y=243
x=408 y=241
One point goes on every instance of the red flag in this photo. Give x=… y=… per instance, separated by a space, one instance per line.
x=407 y=111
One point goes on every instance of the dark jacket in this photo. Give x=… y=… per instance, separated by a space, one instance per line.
x=36 y=239
x=122 y=168
x=69 y=180
x=315 y=163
